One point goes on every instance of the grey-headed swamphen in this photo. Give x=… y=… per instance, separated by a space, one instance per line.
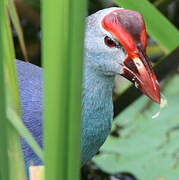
x=115 y=44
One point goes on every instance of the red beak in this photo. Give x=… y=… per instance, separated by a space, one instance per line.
x=128 y=28
x=139 y=70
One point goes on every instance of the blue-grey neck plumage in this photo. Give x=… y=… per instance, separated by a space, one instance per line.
x=97 y=112
x=99 y=71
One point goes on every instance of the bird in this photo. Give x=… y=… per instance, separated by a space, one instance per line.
x=115 y=44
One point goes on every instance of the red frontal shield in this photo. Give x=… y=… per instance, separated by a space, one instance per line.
x=128 y=28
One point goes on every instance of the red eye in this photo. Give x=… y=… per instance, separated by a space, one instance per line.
x=109 y=42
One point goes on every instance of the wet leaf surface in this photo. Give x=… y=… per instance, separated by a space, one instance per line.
x=146 y=147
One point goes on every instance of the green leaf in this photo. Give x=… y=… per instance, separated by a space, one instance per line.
x=3 y=120
x=158 y=26
x=7 y=57
x=76 y=36
x=62 y=52
x=55 y=58
x=17 y=25
x=147 y=148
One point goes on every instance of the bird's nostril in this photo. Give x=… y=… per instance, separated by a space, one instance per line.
x=131 y=65
x=138 y=64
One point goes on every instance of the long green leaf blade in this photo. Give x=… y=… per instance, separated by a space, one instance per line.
x=3 y=121
x=14 y=147
x=17 y=25
x=55 y=59
x=62 y=43
x=76 y=34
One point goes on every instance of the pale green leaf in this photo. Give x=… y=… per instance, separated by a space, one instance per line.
x=147 y=148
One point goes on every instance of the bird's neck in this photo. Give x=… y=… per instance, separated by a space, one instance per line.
x=97 y=111
x=97 y=97
x=97 y=88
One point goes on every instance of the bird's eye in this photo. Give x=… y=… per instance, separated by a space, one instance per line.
x=109 y=42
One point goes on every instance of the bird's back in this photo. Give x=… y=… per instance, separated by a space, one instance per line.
x=30 y=89
x=97 y=111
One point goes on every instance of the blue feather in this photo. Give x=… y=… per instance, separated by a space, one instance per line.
x=97 y=110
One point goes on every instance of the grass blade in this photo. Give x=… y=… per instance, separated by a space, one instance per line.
x=62 y=43
x=14 y=147
x=3 y=121
x=16 y=23
x=56 y=64
x=76 y=36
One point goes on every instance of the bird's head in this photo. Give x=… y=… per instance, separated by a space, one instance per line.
x=115 y=43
